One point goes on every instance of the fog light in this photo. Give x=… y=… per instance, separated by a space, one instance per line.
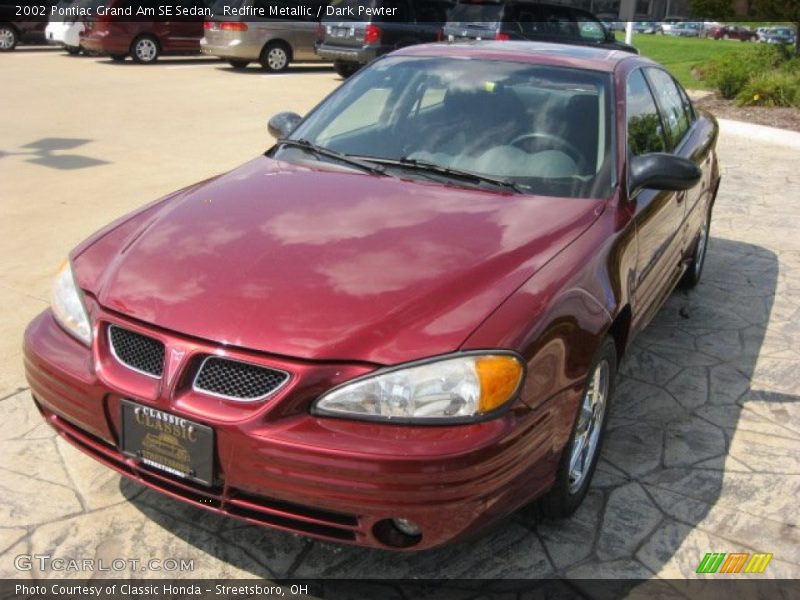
x=397 y=533
x=408 y=527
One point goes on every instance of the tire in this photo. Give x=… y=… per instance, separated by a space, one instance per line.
x=275 y=57
x=238 y=64
x=119 y=57
x=345 y=69
x=72 y=50
x=575 y=470
x=695 y=269
x=8 y=38
x=145 y=49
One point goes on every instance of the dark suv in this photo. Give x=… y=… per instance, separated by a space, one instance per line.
x=528 y=20
x=353 y=32
x=22 y=22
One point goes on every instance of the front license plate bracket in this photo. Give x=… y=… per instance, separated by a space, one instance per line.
x=167 y=442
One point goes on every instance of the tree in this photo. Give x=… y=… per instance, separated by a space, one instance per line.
x=712 y=9
x=779 y=10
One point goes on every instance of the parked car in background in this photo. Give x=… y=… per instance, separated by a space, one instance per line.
x=528 y=20
x=144 y=41
x=648 y=27
x=272 y=42
x=760 y=31
x=685 y=29
x=66 y=31
x=25 y=28
x=667 y=23
x=733 y=32
x=778 y=35
x=403 y=322
x=353 y=41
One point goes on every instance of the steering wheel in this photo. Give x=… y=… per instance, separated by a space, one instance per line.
x=560 y=143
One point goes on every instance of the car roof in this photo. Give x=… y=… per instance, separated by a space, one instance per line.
x=546 y=53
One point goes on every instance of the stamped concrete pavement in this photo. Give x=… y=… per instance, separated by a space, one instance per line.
x=702 y=452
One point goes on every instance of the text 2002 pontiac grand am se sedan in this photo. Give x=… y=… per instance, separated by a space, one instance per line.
x=412 y=306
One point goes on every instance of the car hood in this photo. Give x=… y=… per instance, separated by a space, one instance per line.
x=322 y=263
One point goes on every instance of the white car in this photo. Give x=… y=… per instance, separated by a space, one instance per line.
x=66 y=34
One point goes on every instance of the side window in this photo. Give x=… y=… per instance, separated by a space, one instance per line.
x=676 y=118
x=645 y=132
x=589 y=28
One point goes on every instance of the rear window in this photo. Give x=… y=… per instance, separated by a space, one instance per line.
x=489 y=13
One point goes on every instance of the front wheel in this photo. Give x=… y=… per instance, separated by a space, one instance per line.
x=580 y=455
x=275 y=57
x=8 y=38
x=145 y=50
x=73 y=50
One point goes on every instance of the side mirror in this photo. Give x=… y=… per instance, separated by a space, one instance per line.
x=661 y=171
x=282 y=124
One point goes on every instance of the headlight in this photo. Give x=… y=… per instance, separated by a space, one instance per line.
x=67 y=305
x=450 y=389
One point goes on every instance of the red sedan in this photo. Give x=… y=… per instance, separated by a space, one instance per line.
x=733 y=32
x=412 y=306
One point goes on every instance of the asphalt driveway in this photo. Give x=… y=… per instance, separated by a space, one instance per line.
x=703 y=452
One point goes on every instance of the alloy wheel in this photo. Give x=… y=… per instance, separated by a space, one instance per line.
x=146 y=50
x=7 y=38
x=702 y=245
x=277 y=59
x=589 y=426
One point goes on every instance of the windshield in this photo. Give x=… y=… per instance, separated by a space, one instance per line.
x=545 y=129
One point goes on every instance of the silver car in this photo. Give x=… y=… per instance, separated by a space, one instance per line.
x=272 y=41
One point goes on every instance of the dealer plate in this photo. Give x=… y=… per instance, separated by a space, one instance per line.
x=168 y=442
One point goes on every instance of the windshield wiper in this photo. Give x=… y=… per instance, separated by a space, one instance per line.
x=328 y=153
x=421 y=165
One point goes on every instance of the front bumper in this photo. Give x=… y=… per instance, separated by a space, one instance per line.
x=278 y=465
x=231 y=49
x=105 y=42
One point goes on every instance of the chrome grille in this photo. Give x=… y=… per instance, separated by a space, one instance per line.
x=137 y=351
x=236 y=380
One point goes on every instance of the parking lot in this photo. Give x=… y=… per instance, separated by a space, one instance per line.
x=703 y=448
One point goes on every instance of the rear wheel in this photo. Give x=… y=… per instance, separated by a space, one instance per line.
x=692 y=276
x=238 y=64
x=345 y=69
x=118 y=57
x=145 y=49
x=579 y=457
x=275 y=57
x=8 y=38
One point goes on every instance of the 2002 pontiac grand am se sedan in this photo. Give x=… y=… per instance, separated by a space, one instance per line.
x=412 y=306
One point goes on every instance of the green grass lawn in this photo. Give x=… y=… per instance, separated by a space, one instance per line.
x=680 y=54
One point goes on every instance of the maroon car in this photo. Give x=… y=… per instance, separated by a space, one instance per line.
x=117 y=34
x=732 y=32
x=412 y=306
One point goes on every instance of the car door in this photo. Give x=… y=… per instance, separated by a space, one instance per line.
x=658 y=213
x=691 y=137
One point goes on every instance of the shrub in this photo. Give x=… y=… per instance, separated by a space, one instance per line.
x=771 y=89
x=730 y=72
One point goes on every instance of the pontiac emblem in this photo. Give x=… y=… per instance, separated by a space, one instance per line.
x=173 y=364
